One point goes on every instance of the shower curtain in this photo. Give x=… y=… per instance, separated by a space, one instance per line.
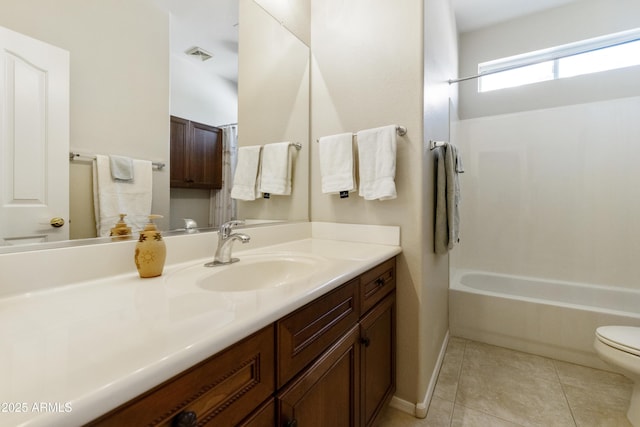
x=223 y=207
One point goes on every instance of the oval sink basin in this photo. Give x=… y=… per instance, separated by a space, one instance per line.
x=255 y=273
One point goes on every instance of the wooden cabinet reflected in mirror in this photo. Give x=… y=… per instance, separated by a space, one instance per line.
x=196 y=155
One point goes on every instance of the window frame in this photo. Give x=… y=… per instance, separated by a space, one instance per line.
x=553 y=54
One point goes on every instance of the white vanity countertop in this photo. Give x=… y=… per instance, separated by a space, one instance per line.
x=72 y=353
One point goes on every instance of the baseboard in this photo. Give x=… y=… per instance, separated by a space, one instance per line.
x=422 y=407
x=403 y=405
x=420 y=410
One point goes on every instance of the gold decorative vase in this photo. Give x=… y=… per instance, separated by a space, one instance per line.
x=151 y=250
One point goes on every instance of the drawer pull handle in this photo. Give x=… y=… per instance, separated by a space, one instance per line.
x=366 y=341
x=185 y=419
x=292 y=423
x=379 y=281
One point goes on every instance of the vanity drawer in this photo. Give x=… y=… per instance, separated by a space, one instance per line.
x=376 y=283
x=306 y=333
x=222 y=390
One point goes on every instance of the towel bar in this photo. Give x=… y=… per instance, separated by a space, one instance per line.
x=400 y=130
x=436 y=144
x=72 y=156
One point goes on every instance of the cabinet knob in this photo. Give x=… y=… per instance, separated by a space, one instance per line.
x=366 y=341
x=379 y=281
x=185 y=419
x=292 y=423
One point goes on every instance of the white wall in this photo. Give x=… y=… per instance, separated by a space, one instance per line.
x=119 y=84
x=201 y=96
x=570 y=23
x=549 y=184
x=553 y=193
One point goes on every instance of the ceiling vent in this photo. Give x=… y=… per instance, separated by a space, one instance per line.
x=200 y=53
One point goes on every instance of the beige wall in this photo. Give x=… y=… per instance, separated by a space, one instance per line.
x=440 y=63
x=367 y=71
x=119 y=84
x=273 y=105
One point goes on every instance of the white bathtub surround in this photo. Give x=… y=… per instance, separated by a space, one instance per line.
x=549 y=192
x=550 y=318
x=90 y=334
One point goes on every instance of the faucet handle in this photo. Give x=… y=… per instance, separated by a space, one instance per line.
x=225 y=229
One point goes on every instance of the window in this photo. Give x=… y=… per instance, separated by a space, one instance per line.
x=588 y=56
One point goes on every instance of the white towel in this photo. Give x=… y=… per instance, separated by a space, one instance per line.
x=377 y=160
x=246 y=174
x=111 y=197
x=336 y=163
x=121 y=168
x=275 y=175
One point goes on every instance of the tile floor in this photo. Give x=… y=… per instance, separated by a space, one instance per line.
x=481 y=385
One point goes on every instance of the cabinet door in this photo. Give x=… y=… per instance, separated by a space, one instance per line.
x=205 y=156
x=264 y=416
x=179 y=137
x=377 y=338
x=325 y=394
x=196 y=155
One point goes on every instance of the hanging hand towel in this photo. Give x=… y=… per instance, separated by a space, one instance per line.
x=336 y=163
x=121 y=168
x=246 y=174
x=275 y=175
x=447 y=226
x=111 y=197
x=377 y=160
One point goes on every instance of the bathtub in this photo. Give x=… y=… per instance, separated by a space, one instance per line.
x=555 y=319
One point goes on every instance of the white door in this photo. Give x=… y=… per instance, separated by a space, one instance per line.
x=34 y=140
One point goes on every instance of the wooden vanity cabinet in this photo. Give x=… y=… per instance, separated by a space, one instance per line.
x=329 y=363
x=196 y=155
x=351 y=377
x=220 y=391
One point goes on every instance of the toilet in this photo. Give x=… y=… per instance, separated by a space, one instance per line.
x=620 y=347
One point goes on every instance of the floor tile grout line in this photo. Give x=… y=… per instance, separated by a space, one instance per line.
x=455 y=396
x=564 y=393
x=464 y=355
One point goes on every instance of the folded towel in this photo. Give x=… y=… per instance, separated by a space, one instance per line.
x=121 y=168
x=246 y=174
x=275 y=175
x=447 y=226
x=377 y=159
x=111 y=197
x=336 y=163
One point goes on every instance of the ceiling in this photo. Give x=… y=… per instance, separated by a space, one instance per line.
x=208 y=24
x=213 y=25
x=475 y=14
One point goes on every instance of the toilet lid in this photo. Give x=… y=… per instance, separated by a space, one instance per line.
x=625 y=338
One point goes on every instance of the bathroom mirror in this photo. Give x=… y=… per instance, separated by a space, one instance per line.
x=120 y=91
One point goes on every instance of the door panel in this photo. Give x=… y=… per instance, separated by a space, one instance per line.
x=34 y=140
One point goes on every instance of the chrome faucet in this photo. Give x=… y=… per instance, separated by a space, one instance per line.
x=225 y=240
